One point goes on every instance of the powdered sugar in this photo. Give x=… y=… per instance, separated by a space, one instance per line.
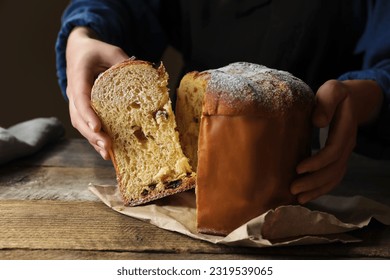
x=249 y=83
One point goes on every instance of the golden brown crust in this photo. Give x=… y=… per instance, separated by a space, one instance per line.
x=250 y=89
x=130 y=61
x=185 y=184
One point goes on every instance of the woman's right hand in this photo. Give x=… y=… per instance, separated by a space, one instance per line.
x=86 y=58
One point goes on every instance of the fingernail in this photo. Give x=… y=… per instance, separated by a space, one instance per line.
x=91 y=126
x=100 y=144
x=293 y=191
x=300 y=170
x=102 y=154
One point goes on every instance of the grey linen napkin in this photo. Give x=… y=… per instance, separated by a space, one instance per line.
x=28 y=137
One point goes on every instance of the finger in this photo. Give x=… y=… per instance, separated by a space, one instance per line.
x=313 y=194
x=102 y=144
x=341 y=139
x=324 y=157
x=79 y=93
x=328 y=97
x=331 y=175
x=312 y=186
x=99 y=140
x=331 y=153
x=103 y=153
x=88 y=115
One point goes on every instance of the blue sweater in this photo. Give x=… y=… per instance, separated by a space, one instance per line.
x=315 y=40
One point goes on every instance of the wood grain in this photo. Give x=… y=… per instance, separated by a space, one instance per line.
x=60 y=172
x=66 y=153
x=47 y=212
x=83 y=226
x=91 y=230
x=55 y=183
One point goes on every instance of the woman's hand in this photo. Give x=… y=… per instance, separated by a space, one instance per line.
x=342 y=106
x=86 y=58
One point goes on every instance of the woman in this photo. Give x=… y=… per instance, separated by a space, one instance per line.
x=340 y=48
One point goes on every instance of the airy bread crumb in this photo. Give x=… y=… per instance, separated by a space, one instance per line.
x=132 y=102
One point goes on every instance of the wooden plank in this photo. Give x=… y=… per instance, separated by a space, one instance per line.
x=57 y=183
x=83 y=226
x=23 y=254
x=54 y=226
x=76 y=229
x=365 y=176
x=66 y=153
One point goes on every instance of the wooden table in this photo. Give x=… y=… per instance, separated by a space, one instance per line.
x=47 y=212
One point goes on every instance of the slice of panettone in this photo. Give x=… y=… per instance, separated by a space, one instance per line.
x=132 y=101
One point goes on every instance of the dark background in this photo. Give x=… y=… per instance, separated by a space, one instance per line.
x=28 y=79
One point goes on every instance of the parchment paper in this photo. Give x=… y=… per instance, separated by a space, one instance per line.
x=325 y=220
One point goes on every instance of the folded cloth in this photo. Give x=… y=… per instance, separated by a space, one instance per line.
x=28 y=137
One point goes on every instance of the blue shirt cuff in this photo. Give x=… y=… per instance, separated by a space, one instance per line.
x=88 y=20
x=374 y=140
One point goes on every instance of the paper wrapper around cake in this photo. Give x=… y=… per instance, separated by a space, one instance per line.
x=255 y=127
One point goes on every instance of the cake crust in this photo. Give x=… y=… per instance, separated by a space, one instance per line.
x=244 y=88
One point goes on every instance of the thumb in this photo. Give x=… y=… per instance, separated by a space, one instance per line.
x=328 y=97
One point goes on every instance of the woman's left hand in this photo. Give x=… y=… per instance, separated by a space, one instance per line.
x=342 y=106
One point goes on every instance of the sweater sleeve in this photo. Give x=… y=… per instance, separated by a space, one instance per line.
x=374 y=45
x=133 y=25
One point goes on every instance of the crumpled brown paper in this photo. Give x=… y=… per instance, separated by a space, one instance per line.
x=326 y=220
